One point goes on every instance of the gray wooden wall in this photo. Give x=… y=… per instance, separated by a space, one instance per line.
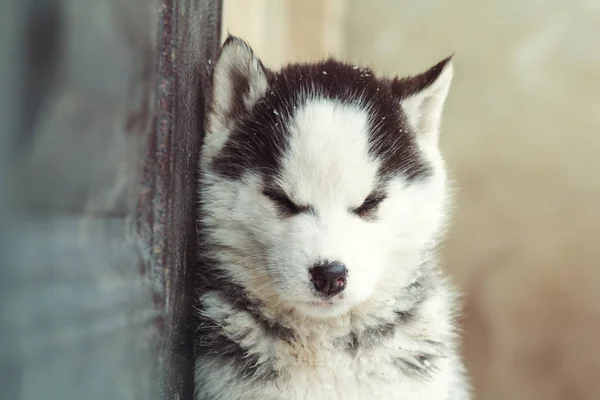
x=101 y=104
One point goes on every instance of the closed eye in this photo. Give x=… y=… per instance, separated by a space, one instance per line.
x=284 y=205
x=370 y=205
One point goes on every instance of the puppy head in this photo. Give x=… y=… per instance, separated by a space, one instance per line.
x=322 y=184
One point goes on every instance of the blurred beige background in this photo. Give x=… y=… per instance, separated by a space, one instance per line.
x=522 y=138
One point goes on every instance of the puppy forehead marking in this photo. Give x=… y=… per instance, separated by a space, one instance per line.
x=328 y=152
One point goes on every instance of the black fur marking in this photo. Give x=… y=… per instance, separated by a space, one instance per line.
x=375 y=334
x=213 y=280
x=212 y=343
x=241 y=87
x=408 y=86
x=240 y=81
x=405 y=316
x=370 y=205
x=259 y=138
x=421 y=364
x=285 y=206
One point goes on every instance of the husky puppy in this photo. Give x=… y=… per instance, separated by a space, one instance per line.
x=323 y=197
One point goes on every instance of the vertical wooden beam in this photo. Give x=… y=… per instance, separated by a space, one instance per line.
x=96 y=252
x=189 y=37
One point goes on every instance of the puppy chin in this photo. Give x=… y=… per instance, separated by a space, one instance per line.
x=310 y=305
x=322 y=309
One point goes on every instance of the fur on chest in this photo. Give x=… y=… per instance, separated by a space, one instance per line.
x=244 y=354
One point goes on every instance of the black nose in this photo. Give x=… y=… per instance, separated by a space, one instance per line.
x=329 y=278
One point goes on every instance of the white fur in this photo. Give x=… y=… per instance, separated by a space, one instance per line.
x=328 y=166
x=236 y=58
x=320 y=371
x=424 y=109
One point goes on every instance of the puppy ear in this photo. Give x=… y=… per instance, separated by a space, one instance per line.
x=239 y=81
x=422 y=98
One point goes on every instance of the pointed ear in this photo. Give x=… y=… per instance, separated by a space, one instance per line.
x=422 y=98
x=239 y=81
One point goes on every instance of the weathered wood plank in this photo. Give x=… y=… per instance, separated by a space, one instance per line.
x=101 y=113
